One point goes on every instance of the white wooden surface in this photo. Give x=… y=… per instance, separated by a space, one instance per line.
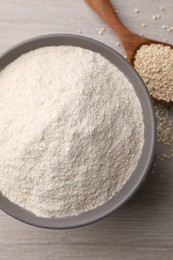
x=143 y=228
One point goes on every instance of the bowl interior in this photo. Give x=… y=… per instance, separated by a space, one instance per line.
x=149 y=121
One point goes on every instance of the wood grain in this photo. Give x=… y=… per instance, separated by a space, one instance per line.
x=143 y=228
x=131 y=41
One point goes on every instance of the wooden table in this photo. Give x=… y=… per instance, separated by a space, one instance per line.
x=143 y=228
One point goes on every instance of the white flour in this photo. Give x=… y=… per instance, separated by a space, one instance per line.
x=71 y=131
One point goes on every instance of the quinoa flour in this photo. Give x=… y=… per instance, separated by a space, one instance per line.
x=71 y=131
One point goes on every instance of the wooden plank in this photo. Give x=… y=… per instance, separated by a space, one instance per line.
x=143 y=228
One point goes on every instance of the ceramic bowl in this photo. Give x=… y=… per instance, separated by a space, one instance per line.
x=149 y=121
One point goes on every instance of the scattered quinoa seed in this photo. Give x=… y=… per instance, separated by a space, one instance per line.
x=164 y=124
x=167 y=27
x=153 y=172
x=156 y=16
x=136 y=10
x=101 y=31
x=164 y=130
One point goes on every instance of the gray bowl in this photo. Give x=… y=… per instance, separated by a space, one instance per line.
x=149 y=120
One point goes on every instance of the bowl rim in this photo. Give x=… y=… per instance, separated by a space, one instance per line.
x=142 y=168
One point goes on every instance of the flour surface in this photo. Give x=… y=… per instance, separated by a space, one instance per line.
x=71 y=131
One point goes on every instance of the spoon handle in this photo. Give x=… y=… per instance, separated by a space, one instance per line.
x=107 y=12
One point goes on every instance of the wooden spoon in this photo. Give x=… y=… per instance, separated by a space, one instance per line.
x=131 y=41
